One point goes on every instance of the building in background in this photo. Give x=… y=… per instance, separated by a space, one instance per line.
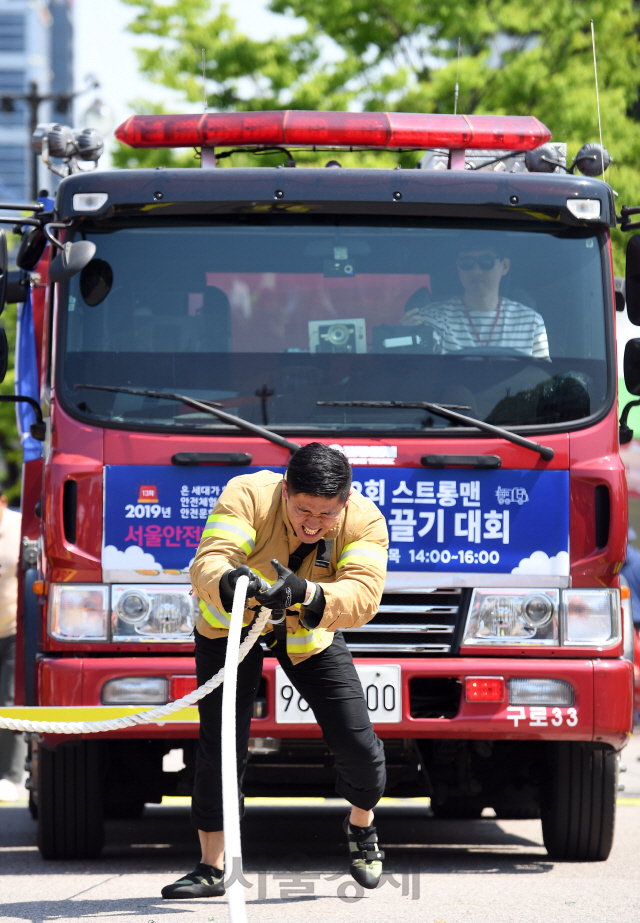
x=36 y=47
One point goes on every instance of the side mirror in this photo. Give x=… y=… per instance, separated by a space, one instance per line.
x=4 y=354
x=632 y=275
x=4 y=270
x=71 y=259
x=31 y=248
x=619 y=286
x=632 y=366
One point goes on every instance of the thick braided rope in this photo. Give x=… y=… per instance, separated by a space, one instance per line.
x=146 y=717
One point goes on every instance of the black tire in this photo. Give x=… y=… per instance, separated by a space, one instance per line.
x=70 y=801
x=578 y=802
x=33 y=807
x=459 y=808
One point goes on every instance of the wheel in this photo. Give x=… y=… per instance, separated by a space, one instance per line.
x=33 y=807
x=70 y=800
x=578 y=802
x=459 y=808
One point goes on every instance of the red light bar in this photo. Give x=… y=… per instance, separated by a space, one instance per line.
x=484 y=689
x=293 y=128
x=181 y=685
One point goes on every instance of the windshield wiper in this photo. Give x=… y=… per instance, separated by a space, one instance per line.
x=208 y=407
x=447 y=411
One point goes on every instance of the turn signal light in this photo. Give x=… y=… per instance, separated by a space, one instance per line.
x=385 y=130
x=484 y=689
x=180 y=686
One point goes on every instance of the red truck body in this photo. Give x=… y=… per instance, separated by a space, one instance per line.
x=426 y=750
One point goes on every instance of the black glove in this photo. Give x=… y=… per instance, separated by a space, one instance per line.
x=228 y=584
x=288 y=589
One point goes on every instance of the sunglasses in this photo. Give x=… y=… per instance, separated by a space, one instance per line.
x=466 y=263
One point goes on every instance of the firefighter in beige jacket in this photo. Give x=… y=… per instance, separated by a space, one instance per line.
x=250 y=525
x=318 y=550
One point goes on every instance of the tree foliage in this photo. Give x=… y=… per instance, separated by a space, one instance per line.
x=516 y=58
x=10 y=448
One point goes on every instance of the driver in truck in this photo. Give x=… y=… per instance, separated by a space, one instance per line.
x=481 y=317
x=335 y=542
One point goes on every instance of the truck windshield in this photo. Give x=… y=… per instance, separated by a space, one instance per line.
x=267 y=316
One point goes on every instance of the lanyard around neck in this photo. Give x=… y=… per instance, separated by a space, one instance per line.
x=493 y=329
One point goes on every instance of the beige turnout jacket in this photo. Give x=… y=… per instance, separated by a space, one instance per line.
x=249 y=525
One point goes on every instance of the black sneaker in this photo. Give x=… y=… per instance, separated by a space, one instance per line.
x=204 y=881
x=366 y=856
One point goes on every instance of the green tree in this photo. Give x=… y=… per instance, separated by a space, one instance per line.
x=532 y=58
x=10 y=448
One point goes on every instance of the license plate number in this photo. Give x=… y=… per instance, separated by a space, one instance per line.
x=382 y=691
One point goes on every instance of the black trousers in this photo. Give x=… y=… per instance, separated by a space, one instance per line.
x=330 y=684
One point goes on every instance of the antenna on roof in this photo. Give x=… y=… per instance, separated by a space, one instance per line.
x=204 y=83
x=456 y=88
x=595 y=70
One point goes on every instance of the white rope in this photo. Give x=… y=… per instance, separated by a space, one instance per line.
x=146 y=717
x=230 y=806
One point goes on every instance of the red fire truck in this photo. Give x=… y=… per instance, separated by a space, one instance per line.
x=449 y=327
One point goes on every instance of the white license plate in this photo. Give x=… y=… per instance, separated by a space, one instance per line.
x=381 y=687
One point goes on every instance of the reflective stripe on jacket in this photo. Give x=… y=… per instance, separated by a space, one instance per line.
x=249 y=525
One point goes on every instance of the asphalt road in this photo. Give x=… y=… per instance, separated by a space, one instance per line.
x=484 y=871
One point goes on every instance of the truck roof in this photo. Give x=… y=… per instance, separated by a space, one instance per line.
x=449 y=194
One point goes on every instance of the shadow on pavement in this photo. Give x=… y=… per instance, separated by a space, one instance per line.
x=278 y=839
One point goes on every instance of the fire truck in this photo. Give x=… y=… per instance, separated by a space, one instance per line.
x=191 y=325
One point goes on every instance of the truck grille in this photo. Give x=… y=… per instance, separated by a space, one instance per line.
x=409 y=623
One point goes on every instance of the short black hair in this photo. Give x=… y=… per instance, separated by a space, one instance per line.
x=494 y=242
x=319 y=471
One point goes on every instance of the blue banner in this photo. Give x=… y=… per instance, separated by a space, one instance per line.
x=454 y=520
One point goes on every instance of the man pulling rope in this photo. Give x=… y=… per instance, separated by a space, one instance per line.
x=335 y=543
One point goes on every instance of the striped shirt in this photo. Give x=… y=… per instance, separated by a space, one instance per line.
x=512 y=326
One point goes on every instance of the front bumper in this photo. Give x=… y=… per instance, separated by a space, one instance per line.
x=603 y=708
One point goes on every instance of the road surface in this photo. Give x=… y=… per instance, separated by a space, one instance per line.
x=484 y=871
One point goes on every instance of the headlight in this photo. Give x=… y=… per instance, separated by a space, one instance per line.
x=78 y=612
x=591 y=617
x=588 y=618
x=143 y=613
x=513 y=617
x=133 y=607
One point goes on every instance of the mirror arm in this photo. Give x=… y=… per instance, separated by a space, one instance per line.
x=627 y=225
x=19 y=207
x=36 y=429
x=49 y=235
x=625 y=431
x=623 y=217
x=33 y=222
